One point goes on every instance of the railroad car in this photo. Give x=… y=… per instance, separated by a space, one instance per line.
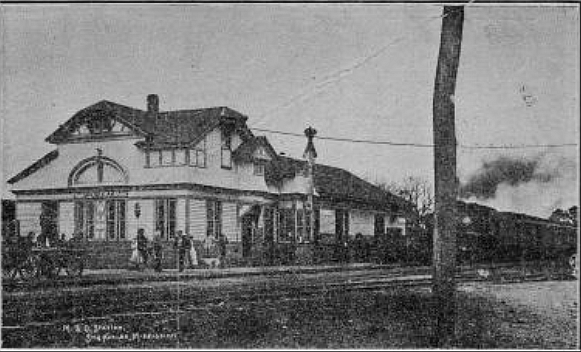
x=485 y=234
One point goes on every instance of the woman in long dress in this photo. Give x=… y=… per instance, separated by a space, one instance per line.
x=136 y=258
x=193 y=254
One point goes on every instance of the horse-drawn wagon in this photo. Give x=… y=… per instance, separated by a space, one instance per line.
x=21 y=259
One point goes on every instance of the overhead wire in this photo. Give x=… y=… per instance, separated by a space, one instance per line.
x=339 y=74
x=343 y=72
x=418 y=145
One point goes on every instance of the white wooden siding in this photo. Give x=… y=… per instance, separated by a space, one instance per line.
x=198 y=219
x=229 y=221
x=132 y=159
x=28 y=214
x=66 y=221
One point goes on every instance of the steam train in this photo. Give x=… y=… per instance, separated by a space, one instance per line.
x=487 y=235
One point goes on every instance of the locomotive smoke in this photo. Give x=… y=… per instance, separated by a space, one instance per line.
x=484 y=184
x=535 y=185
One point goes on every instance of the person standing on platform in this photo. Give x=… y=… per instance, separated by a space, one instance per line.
x=193 y=255
x=185 y=250
x=135 y=258
x=222 y=243
x=208 y=245
x=157 y=251
x=181 y=246
x=142 y=245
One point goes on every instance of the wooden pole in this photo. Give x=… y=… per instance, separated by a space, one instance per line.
x=446 y=189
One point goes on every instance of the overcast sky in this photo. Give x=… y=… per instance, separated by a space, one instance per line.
x=350 y=70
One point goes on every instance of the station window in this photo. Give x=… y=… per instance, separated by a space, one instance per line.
x=85 y=218
x=303 y=226
x=198 y=155
x=116 y=219
x=259 y=168
x=167 y=157
x=301 y=229
x=180 y=156
x=101 y=219
x=214 y=217
x=165 y=217
x=154 y=158
x=286 y=229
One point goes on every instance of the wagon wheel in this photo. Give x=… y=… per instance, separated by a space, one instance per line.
x=7 y=264
x=51 y=268
x=75 y=266
x=8 y=270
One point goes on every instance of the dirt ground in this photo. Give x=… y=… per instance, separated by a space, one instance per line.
x=529 y=315
x=533 y=314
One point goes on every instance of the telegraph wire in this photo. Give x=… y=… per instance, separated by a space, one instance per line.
x=341 y=73
x=344 y=72
x=418 y=145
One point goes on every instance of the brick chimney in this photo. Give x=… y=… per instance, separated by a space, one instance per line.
x=152 y=111
x=153 y=103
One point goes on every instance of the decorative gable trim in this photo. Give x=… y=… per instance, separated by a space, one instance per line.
x=247 y=151
x=99 y=121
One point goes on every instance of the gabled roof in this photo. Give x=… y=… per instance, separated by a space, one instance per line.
x=37 y=165
x=163 y=129
x=132 y=117
x=185 y=127
x=337 y=184
x=246 y=150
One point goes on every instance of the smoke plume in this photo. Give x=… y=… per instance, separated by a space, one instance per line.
x=535 y=185
x=504 y=170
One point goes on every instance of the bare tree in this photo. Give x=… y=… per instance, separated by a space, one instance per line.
x=567 y=216
x=415 y=190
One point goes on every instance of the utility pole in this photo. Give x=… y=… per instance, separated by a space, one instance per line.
x=446 y=184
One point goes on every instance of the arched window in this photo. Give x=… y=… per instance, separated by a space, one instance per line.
x=98 y=170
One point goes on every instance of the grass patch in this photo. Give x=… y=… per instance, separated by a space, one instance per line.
x=397 y=319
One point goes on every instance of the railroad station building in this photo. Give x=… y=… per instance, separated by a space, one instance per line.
x=116 y=169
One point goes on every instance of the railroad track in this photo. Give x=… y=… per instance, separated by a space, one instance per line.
x=14 y=285
x=186 y=299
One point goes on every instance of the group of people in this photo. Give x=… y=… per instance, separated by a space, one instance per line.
x=32 y=240
x=145 y=254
